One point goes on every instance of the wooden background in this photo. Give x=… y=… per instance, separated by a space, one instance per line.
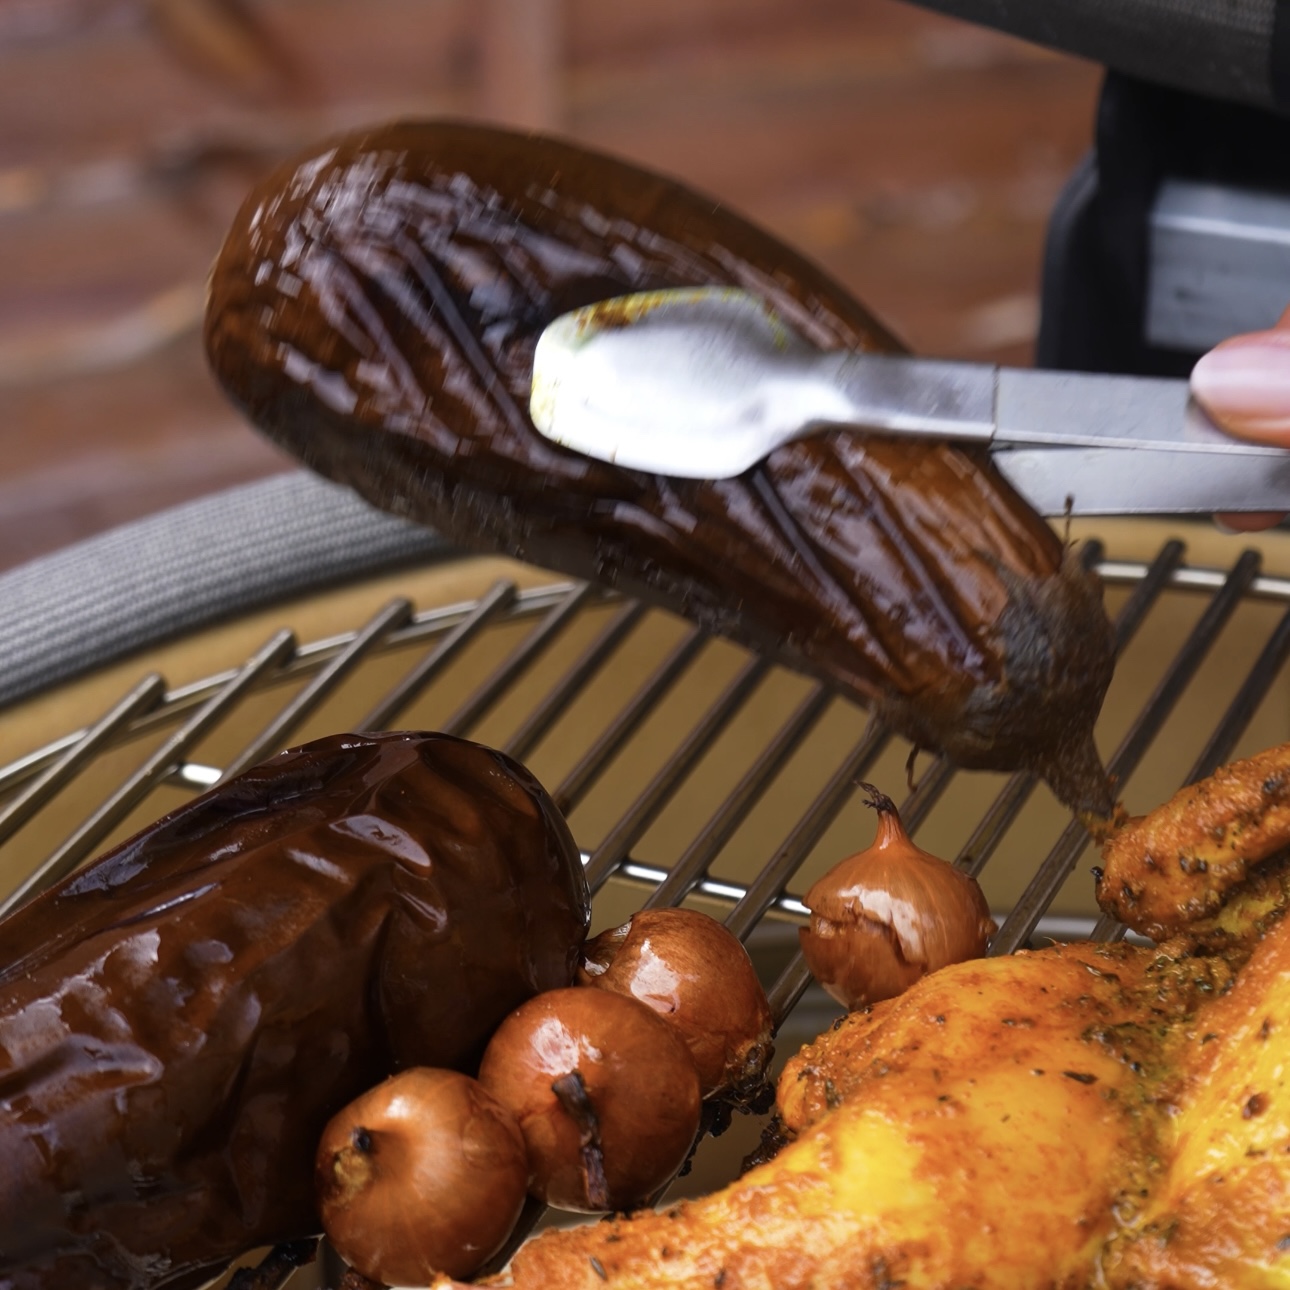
x=916 y=157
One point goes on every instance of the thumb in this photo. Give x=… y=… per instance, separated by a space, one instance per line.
x=1244 y=384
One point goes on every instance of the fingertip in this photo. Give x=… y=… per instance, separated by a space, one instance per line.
x=1237 y=523
x=1244 y=385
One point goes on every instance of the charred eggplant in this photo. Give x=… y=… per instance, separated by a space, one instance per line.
x=374 y=310
x=180 y=1020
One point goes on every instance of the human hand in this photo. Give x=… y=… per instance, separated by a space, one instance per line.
x=1244 y=385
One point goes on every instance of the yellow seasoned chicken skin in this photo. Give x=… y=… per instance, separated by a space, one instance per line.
x=915 y=1177
x=1218 y=1213
x=1079 y=1117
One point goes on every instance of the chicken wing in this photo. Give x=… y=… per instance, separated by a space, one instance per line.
x=1170 y=871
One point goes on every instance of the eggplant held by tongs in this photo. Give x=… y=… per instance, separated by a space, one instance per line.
x=375 y=310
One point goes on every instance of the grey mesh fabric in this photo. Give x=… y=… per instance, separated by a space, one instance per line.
x=247 y=548
x=1217 y=48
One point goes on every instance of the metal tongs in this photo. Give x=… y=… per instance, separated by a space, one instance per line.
x=704 y=382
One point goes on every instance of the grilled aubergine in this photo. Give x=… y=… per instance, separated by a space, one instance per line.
x=180 y=1019
x=374 y=310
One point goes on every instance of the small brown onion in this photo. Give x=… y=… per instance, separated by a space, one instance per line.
x=426 y=1173
x=698 y=977
x=887 y=916
x=604 y=1091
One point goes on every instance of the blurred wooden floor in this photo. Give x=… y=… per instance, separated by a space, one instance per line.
x=915 y=157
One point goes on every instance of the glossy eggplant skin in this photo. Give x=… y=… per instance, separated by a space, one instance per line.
x=180 y=1019
x=375 y=308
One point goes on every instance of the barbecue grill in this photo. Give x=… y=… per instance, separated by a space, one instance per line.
x=146 y=666
x=690 y=770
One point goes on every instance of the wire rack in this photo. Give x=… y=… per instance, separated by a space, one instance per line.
x=689 y=769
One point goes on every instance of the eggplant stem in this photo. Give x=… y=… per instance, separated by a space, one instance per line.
x=911 y=781
x=571 y=1092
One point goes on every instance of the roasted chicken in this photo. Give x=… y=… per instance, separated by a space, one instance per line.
x=1080 y=1115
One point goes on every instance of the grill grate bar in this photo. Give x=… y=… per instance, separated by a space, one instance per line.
x=1183 y=668
x=1159 y=574
x=788 y=990
x=624 y=725
x=307 y=659
x=717 y=889
x=580 y=673
x=60 y=773
x=1240 y=711
x=1108 y=928
x=770 y=883
x=642 y=812
x=498 y=599
x=101 y=822
x=511 y=669
x=274 y=737
x=993 y=826
x=1059 y=863
x=692 y=867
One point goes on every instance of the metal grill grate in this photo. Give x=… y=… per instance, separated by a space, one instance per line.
x=689 y=769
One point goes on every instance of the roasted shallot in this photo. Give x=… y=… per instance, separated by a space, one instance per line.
x=699 y=978
x=605 y=1093
x=425 y=1173
x=890 y=914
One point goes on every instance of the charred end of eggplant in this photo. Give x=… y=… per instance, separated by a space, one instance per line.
x=1057 y=651
x=1059 y=644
